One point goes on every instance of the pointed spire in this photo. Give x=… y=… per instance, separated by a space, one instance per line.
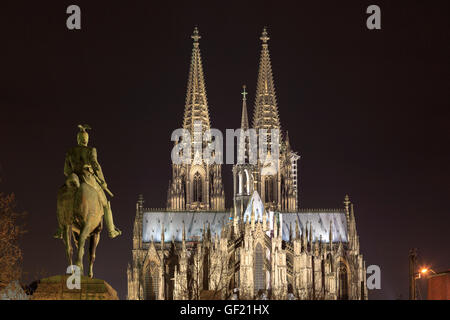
x=346 y=202
x=266 y=110
x=288 y=145
x=243 y=148
x=244 y=120
x=196 y=107
x=317 y=246
x=347 y=213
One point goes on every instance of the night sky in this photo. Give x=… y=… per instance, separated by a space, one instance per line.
x=368 y=112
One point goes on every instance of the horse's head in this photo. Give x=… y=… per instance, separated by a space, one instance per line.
x=72 y=181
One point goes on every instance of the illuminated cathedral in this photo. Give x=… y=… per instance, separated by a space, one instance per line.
x=266 y=246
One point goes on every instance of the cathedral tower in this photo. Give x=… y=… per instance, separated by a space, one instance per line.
x=277 y=167
x=198 y=185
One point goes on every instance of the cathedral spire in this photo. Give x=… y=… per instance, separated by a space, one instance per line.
x=244 y=120
x=243 y=147
x=266 y=110
x=196 y=107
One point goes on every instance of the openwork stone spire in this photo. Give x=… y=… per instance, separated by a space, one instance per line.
x=266 y=110
x=196 y=108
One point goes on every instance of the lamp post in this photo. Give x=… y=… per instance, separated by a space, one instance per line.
x=415 y=275
x=412 y=274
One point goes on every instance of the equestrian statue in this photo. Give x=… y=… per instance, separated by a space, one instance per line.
x=82 y=203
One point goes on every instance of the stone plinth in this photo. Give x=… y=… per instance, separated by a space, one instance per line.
x=55 y=288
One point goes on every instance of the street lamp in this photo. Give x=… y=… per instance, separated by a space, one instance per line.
x=424 y=271
x=419 y=275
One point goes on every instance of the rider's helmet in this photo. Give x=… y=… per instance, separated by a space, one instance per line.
x=83 y=136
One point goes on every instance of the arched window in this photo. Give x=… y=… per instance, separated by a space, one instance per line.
x=343 y=282
x=151 y=282
x=197 y=187
x=244 y=183
x=258 y=271
x=247 y=182
x=240 y=182
x=268 y=192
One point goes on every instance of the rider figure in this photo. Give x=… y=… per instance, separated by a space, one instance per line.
x=82 y=161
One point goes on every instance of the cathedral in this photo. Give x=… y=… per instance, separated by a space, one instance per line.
x=267 y=246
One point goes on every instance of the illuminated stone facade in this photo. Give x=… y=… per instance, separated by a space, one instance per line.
x=265 y=246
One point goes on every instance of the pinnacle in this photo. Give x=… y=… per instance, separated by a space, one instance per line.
x=244 y=120
x=196 y=107
x=266 y=110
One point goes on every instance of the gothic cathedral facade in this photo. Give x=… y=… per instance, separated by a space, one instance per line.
x=266 y=246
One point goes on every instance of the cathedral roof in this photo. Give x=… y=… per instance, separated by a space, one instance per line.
x=317 y=219
x=194 y=222
x=320 y=221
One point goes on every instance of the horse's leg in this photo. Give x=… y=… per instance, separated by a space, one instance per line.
x=81 y=241
x=76 y=237
x=68 y=243
x=95 y=238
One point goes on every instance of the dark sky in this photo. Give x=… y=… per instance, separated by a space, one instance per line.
x=368 y=111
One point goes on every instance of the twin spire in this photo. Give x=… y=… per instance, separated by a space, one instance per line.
x=196 y=106
x=265 y=110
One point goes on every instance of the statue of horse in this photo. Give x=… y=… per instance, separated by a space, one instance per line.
x=80 y=214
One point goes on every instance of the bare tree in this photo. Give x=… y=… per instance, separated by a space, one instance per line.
x=10 y=232
x=207 y=276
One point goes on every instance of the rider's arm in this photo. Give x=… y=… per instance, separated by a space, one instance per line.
x=96 y=166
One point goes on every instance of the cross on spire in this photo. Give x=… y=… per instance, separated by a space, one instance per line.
x=264 y=36
x=196 y=36
x=244 y=93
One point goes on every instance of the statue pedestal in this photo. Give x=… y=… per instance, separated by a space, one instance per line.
x=55 y=288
